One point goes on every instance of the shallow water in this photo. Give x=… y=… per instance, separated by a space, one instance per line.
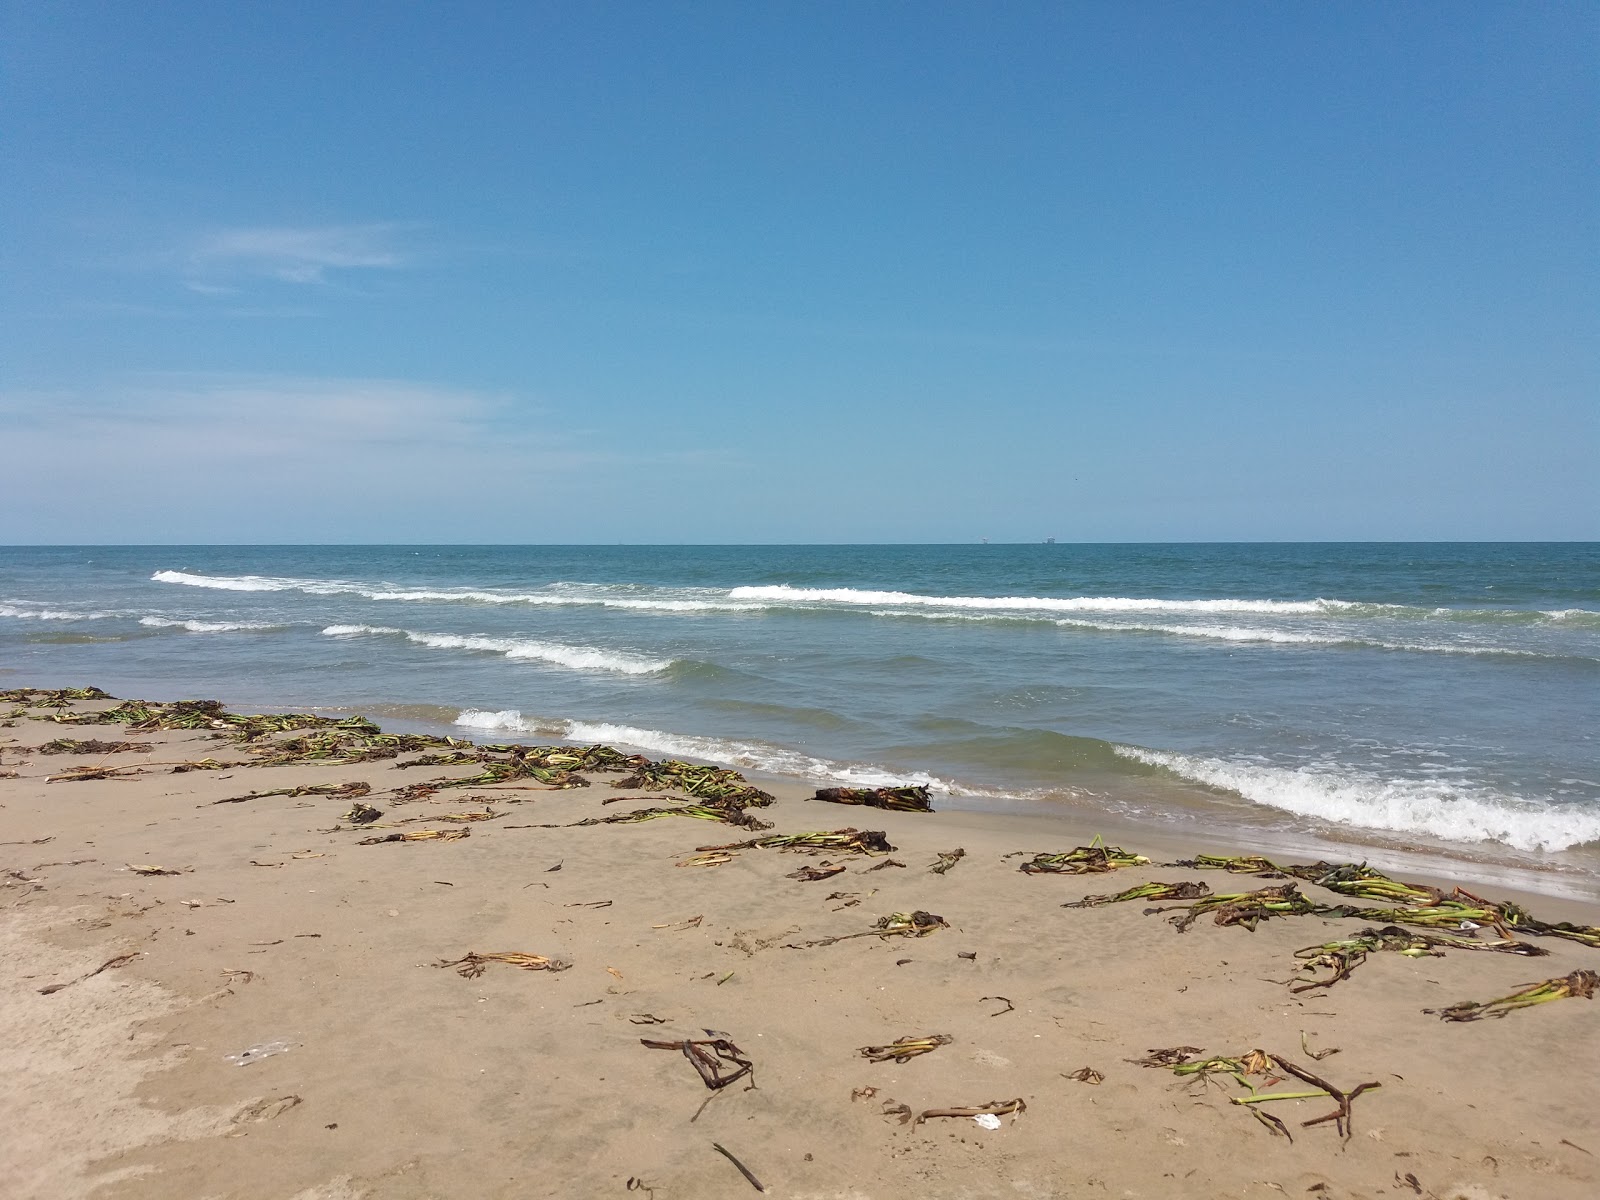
x=1436 y=695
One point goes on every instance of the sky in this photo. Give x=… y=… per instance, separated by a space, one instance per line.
x=778 y=272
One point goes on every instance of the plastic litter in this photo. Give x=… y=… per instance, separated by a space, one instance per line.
x=987 y=1120
x=264 y=1050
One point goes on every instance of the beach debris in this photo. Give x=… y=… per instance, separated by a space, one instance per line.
x=1315 y=1055
x=266 y=1109
x=686 y=923
x=1188 y=889
x=200 y=764
x=110 y=964
x=344 y=791
x=1087 y=1075
x=1006 y=1000
x=839 y=841
x=903 y=1050
x=1579 y=984
x=712 y=1058
x=994 y=1108
x=823 y=870
x=361 y=814
x=81 y=774
x=475 y=963
x=862 y=1093
x=943 y=862
x=418 y=835
x=92 y=746
x=259 y=1051
x=743 y=1170
x=1416 y=904
x=900 y=924
x=1246 y=864
x=703 y=812
x=897 y=799
x=151 y=869
x=1339 y=958
x=1170 y=1056
x=1260 y=1062
x=52 y=697
x=712 y=859
x=1244 y=908
x=717 y=786
x=888 y=862
x=1092 y=859
x=488 y=814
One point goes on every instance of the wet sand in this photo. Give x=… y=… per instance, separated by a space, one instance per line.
x=395 y=1077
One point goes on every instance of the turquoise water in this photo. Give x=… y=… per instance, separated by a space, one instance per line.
x=1439 y=695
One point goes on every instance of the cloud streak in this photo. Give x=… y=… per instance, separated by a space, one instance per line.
x=294 y=255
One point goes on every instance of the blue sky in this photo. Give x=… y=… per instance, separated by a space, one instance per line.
x=740 y=272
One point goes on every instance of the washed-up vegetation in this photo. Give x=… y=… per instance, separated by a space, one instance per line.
x=903 y=1050
x=897 y=799
x=901 y=924
x=92 y=746
x=1337 y=959
x=474 y=964
x=1181 y=1062
x=418 y=835
x=1579 y=984
x=1093 y=859
x=718 y=1061
x=839 y=841
x=1187 y=889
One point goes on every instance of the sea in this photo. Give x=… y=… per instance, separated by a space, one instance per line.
x=1434 y=696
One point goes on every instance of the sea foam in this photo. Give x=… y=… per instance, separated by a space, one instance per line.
x=1349 y=797
x=577 y=658
x=746 y=755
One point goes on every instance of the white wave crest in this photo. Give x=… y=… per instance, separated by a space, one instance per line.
x=39 y=613
x=207 y=626
x=577 y=658
x=749 y=756
x=1110 y=604
x=1348 y=797
x=595 y=597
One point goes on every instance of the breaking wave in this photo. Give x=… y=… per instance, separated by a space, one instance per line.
x=41 y=613
x=577 y=658
x=744 y=755
x=1348 y=797
x=209 y=626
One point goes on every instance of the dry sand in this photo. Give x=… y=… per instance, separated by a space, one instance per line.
x=401 y=1079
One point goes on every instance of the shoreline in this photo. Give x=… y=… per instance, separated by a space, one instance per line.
x=406 y=1080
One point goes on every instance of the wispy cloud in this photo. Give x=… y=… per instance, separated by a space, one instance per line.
x=209 y=458
x=294 y=255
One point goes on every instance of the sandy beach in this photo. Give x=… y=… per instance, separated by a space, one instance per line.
x=268 y=1016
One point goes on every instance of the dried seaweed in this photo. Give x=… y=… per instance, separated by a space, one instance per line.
x=900 y=924
x=710 y=785
x=1579 y=984
x=1245 y=908
x=994 y=1108
x=839 y=841
x=418 y=835
x=823 y=870
x=1339 y=958
x=92 y=746
x=903 y=1050
x=345 y=791
x=711 y=1057
x=1188 y=889
x=475 y=964
x=943 y=862
x=897 y=799
x=1092 y=859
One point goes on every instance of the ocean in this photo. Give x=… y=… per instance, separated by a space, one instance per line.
x=1434 y=696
